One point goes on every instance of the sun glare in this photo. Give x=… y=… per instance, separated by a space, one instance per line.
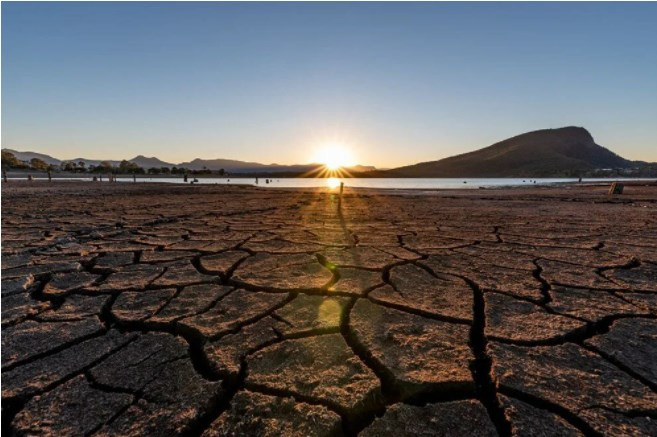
x=334 y=156
x=333 y=182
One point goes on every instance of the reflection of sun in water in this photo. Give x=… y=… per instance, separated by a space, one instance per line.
x=333 y=182
x=334 y=156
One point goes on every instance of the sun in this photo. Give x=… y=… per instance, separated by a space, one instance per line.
x=334 y=156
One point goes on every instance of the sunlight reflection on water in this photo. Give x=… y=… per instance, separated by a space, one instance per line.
x=332 y=182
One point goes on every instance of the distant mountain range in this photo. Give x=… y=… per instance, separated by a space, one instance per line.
x=564 y=152
x=229 y=165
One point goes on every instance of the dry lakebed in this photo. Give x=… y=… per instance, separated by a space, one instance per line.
x=153 y=309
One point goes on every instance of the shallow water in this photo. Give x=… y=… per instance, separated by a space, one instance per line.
x=386 y=183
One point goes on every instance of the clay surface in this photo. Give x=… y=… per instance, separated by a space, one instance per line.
x=143 y=309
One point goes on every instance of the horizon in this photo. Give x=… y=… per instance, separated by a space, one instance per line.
x=320 y=161
x=274 y=83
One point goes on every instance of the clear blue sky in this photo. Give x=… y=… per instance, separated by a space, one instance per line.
x=399 y=83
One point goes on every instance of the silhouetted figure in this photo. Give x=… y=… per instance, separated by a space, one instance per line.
x=29 y=177
x=4 y=175
x=134 y=177
x=49 y=176
x=185 y=177
x=256 y=181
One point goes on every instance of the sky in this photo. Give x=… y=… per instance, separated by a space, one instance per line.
x=394 y=83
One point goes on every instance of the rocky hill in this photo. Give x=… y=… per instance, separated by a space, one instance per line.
x=567 y=151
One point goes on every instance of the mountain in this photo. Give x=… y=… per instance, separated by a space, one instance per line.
x=90 y=162
x=234 y=166
x=566 y=151
x=149 y=162
x=27 y=156
x=360 y=168
x=229 y=165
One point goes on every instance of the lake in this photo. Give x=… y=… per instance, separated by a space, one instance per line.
x=387 y=183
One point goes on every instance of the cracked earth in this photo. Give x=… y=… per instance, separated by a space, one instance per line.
x=217 y=310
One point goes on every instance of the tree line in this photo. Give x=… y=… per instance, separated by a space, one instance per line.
x=9 y=161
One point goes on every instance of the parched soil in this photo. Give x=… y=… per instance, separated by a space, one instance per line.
x=138 y=309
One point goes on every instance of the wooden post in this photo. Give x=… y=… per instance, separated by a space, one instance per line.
x=134 y=177
x=340 y=196
x=29 y=177
x=4 y=175
x=49 y=176
x=616 y=188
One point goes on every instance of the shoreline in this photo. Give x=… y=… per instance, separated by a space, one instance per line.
x=593 y=192
x=472 y=186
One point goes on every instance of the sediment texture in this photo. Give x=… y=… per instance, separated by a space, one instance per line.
x=134 y=309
